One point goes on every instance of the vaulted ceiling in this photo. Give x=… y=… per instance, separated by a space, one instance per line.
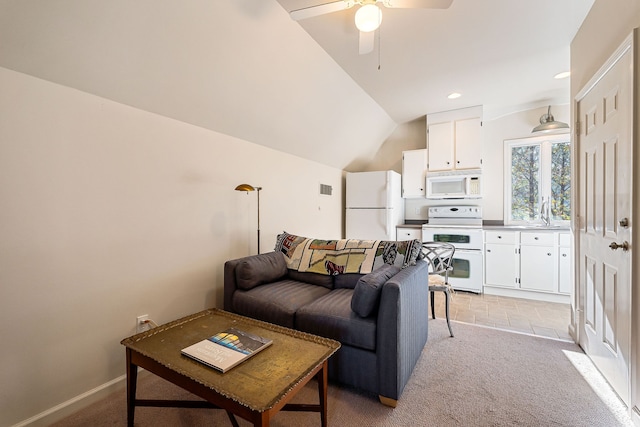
x=501 y=54
x=244 y=68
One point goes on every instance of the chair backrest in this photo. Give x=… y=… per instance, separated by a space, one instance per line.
x=439 y=255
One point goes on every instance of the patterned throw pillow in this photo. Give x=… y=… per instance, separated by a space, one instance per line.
x=401 y=253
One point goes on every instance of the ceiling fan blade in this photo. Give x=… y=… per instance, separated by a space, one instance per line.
x=418 y=4
x=321 y=9
x=366 y=42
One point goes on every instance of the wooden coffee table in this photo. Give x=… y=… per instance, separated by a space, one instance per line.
x=254 y=390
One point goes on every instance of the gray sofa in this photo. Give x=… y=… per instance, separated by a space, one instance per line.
x=380 y=318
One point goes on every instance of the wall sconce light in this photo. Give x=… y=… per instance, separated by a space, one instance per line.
x=548 y=123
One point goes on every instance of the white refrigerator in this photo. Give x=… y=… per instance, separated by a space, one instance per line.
x=374 y=205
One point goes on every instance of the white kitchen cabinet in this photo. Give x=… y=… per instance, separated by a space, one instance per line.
x=454 y=140
x=565 y=283
x=409 y=233
x=414 y=172
x=468 y=144
x=537 y=269
x=501 y=259
x=440 y=144
x=527 y=264
x=538 y=261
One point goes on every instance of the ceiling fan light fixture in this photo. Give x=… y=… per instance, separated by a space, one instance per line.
x=368 y=18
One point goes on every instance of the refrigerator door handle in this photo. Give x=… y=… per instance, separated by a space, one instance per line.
x=388 y=221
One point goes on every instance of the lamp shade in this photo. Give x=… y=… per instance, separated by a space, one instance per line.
x=245 y=187
x=549 y=124
x=368 y=18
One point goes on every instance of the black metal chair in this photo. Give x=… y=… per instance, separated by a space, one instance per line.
x=439 y=255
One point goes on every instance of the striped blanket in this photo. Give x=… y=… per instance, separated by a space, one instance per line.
x=332 y=257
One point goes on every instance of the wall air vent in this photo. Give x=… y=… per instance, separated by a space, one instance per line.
x=325 y=189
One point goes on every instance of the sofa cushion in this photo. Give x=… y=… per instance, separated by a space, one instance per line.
x=258 y=269
x=348 y=280
x=331 y=316
x=276 y=302
x=312 y=278
x=366 y=295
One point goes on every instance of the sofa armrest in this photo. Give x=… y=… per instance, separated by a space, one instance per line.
x=230 y=284
x=251 y=271
x=402 y=327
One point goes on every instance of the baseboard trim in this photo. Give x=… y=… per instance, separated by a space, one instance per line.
x=75 y=404
x=635 y=415
x=526 y=294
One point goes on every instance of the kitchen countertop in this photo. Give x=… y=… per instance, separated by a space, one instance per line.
x=503 y=227
x=410 y=226
x=525 y=228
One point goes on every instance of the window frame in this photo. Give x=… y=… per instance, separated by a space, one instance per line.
x=545 y=142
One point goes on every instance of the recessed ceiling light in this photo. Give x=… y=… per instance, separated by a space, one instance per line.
x=562 y=75
x=454 y=95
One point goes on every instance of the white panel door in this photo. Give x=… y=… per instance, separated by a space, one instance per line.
x=605 y=177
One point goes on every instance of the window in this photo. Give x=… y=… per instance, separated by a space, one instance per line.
x=538 y=180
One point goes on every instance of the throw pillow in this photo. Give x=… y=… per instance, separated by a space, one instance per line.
x=402 y=253
x=256 y=270
x=366 y=295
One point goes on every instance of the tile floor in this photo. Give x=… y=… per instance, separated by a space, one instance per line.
x=546 y=319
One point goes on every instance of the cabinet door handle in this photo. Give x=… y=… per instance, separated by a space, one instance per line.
x=488 y=250
x=499 y=237
x=535 y=238
x=548 y=253
x=564 y=255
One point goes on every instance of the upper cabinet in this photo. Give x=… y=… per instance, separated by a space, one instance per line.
x=414 y=170
x=454 y=139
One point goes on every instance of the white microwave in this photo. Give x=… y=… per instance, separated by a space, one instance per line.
x=454 y=186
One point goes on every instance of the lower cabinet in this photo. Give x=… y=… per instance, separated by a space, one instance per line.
x=501 y=259
x=538 y=266
x=408 y=233
x=530 y=262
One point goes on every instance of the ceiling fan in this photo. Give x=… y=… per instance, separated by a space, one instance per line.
x=368 y=15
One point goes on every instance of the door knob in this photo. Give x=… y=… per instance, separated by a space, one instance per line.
x=624 y=246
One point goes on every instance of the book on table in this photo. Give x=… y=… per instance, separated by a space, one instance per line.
x=226 y=349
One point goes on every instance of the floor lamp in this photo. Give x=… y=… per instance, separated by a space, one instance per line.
x=247 y=188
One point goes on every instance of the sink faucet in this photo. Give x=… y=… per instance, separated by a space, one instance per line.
x=544 y=212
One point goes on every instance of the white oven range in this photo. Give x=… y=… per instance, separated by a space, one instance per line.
x=462 y=227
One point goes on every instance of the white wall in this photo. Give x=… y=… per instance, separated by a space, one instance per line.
x=242 y=68
x=109 y=212
x=407 y=136
x=495 y=132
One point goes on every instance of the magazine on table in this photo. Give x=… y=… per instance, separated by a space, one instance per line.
x=226 y=349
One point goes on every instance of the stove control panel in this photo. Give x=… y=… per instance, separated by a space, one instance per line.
x=455 y=212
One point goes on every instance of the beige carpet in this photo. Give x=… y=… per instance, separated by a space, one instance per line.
x=482 y=377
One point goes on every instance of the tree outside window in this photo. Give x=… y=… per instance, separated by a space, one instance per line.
x=537 y=176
